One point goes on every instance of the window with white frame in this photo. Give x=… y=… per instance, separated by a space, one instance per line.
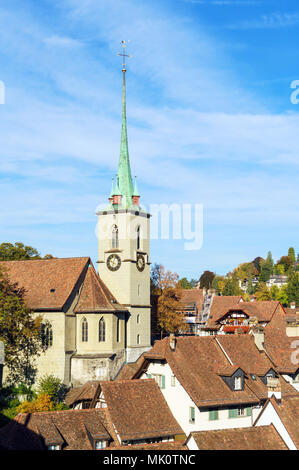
x=238 y=383
x=173 y=381
x=100 y=445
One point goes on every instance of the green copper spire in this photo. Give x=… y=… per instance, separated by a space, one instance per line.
x=124 y=177
x=136 y=192
x=112 y=188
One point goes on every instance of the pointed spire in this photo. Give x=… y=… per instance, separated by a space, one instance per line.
x=112 y=188
x=136 y=192
x=124 y=177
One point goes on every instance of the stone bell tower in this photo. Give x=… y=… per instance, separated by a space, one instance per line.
x=124 y=247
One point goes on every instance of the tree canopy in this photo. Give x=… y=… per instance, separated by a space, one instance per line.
x=19 y=331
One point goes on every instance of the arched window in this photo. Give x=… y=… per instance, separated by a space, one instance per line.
x=115 y=243
x=84 y=330
x=138 y=339
x=102 y=330
x=47 y=335
x=138 y=318
x=117 y=330
x=138 y=237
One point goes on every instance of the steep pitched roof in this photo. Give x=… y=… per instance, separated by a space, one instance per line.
x=138 y=409
x=279 y=346
x=95 y=296
x=288 y=411
x=85 y=392
x=199 y=361
x=48 y=283
x=253 y=438
x=220 y=305
x=192 y=296
x=70 y=428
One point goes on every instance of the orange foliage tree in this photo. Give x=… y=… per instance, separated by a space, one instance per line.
x=169 y=307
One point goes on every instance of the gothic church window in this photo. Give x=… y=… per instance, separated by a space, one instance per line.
x=84 y=330
x=102 y=330
x=115 y=243
x=138 y=237
x=47 y=335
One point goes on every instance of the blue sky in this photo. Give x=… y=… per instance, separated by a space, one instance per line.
x=209 y=114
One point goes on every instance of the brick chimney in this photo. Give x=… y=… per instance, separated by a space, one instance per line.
x=259 y=337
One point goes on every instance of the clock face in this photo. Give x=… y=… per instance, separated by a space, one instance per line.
x=140 y=262
x=113 y=262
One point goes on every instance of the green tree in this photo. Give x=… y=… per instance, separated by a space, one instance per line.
x=53 y=387
x=286 y=262
x=279 y=269
x=292 y=288
x=266 y=268
x=20 y=333
x=262 y=292
x=17 y=251
x=292 y=255
x=184 y=283
x=232 y=286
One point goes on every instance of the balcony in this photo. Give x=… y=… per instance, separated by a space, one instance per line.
x=233 y=328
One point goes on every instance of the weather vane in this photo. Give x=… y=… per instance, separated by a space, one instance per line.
x=123 y=55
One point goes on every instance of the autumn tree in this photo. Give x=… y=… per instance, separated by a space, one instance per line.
x=206 y=279
x=169 y=306
x=20 y=333
x=292 y=254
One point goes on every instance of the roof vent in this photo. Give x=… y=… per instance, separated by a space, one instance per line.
x=52 y=290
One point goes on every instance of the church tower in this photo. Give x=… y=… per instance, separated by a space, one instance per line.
x=124 y=247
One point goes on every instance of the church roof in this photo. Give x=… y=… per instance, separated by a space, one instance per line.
x=48 y=283
x=95 y=296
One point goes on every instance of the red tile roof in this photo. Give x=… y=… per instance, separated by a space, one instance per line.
x=288 y=411
x=197 y=363
x=95 y=296
x=70 y=428
x=48 y=283
x=138 y=409
x=220 y=306
x=252 y=438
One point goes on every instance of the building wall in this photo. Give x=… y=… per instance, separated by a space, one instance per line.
x=180 y=402
x=130 y=286
x=93 y=345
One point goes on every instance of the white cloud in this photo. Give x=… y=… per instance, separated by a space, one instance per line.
x=61 y=41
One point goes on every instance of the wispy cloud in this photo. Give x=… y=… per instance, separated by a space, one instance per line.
x=273 y=20
x=61 y=41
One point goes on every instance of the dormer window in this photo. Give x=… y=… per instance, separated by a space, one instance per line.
x=99 y=445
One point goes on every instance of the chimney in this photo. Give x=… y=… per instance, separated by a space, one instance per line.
x=274 y=387
x=172 y=342
x=293 y=305
x=259 y=338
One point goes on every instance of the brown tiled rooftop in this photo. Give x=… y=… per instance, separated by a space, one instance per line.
x=70 y=428
x=197 y=363
x=220 y=305
x=138 y=409
x=48 y=283
x=251 y=438
x=95 y=296
x=288 y=411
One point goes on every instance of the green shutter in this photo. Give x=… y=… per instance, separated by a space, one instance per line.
x=233 y=413
x=163 y=381
x=213 y=415
x=248 y=411
x=192 y=414
x=149 y=376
